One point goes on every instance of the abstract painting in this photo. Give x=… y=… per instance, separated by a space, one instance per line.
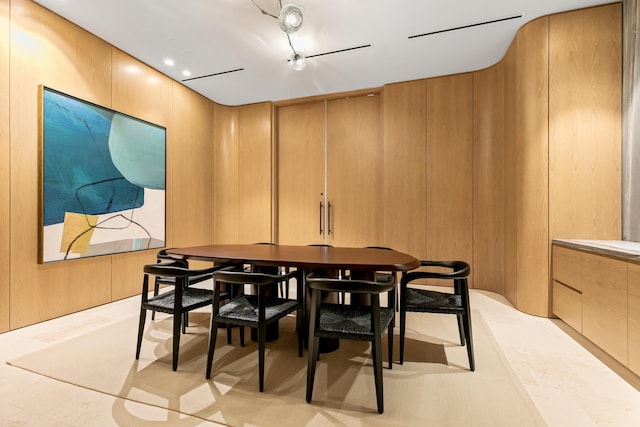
x=102 y=180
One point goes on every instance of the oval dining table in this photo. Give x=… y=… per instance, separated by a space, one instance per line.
x=362 y=263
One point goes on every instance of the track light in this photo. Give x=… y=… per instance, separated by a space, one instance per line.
x=290 y=18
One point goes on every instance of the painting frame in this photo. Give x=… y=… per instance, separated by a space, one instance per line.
x=102 y=180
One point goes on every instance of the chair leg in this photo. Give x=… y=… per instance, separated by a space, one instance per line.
x=403 y=321
x=376 y=353
x=229 y=334
x=177 y=320
x=299 y=330
x=467 y=327
x=185 y=322
x=461 y=328
x=241 y=336
x=213 y=334
x=143 y=316
x=156 y=290
x=262 y=339
x=390 y=343
x=313 y=344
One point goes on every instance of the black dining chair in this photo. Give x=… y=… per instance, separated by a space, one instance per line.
x=414 y=298
x=178 y=301
x=352 y=322
x=256 y=311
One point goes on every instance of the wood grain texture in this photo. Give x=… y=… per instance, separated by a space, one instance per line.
x=300 y=173
x=488 y=178
x=254 y=169
x=567 y=305
x=225 y=193
x=604 y=304
x=450 y=168
x=585 y=92
x=354 y=165
x=567 y=267
x=5 y=162
x=531 y=168
x=404 y=167
x=634 y=317
x=190 y=156
x=46 y=49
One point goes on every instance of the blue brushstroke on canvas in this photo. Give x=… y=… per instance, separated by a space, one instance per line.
x=79 y=174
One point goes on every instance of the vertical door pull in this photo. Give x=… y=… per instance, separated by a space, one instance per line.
x=329 y=219
x=321 y=231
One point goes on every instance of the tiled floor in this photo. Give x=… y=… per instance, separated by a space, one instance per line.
x=569 y=385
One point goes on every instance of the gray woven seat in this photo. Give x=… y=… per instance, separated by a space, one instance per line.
x=256 y=311
x=455 y=301
x=353 y=322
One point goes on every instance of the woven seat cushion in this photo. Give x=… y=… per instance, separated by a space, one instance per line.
x=191 y=298
x=423 y=300
x=243 y=310
x=350 y=321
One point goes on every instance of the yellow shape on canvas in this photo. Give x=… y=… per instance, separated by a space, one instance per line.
x=77 y=232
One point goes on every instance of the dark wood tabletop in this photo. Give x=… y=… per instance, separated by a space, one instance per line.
x=367 y=259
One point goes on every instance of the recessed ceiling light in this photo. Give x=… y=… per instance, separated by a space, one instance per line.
x=186 y=73
x=169 y=62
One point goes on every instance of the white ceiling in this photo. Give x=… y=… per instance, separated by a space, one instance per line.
x=214 y=36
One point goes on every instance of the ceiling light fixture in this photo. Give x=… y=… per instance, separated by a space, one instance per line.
x=290 y=20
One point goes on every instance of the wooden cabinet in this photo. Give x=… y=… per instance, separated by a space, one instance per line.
x=604 y=304
x=599 y=296
x=329 y=180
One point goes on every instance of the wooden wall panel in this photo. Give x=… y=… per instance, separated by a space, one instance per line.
x=225 y=174
x=488 y=179
x=254 y=180
x=531 y=157
x=404 y=166
x=585 y=85
x=45 y=49
x=450 y=168
x=510 y=190
x=4 y=164
x=191 y=157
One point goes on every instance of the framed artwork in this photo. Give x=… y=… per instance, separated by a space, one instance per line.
x=102 y=180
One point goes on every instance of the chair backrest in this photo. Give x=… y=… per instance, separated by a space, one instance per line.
x=174 y=269
x=351 y=286
x=241 y=277
x=162 y=255
x=457 y=270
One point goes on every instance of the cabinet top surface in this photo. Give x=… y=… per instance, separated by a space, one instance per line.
x=622 y=249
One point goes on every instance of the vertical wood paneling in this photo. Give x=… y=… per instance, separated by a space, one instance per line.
x=254 y=181
x=225 y=174
x=354 y=165
x=585 y=91
x=4 y=164
x=532 y=180
x=45 y=49
x=300 y=148
x=488 y=179
x=510 y=190
x=404 y=167
x=450 y=168
x=191 y=149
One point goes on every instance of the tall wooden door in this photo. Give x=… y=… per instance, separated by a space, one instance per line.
x=301 y=172
x=354 y=171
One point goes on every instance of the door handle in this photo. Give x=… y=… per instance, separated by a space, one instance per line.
x=329 y=218
x=321 y=231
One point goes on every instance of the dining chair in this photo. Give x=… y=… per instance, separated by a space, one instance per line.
x=283 y=288
x=178 y=301
x=352 y=322
x=255 y=311
x=455 y=300
x=388 y=277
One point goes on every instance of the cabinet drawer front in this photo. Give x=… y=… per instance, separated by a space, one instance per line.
x=604 y=304
x=567 y=305
x=634 y=318
x=567 y=267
